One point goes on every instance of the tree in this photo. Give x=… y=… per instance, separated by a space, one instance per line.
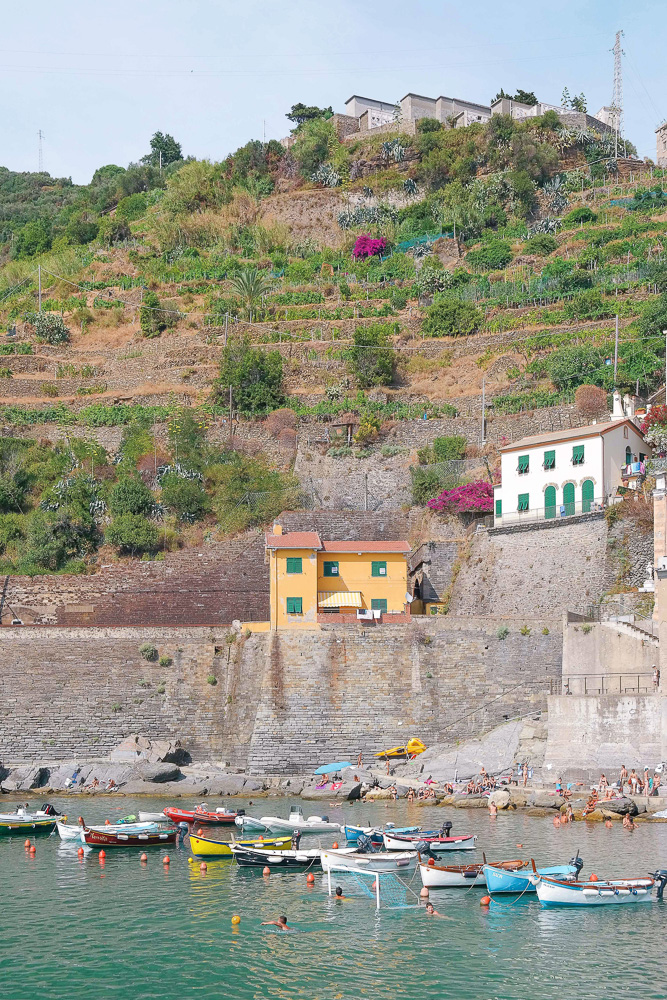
x=591 y=401
x=152 y=318
x=301 y=113
x=132 y=533
x=164 y=150
x=54 y=538
x=522 y=96
x=130 y=496
x=32 y=239
x=49 y=327
x=372 y=356
x=256 y=378
x=186 y=497
x=314 y=141
x=250 y=285
x=472 y=498
x=450 y=317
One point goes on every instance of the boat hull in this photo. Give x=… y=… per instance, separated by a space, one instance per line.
x=456 y=876
x=204 y=847
x=26 y=825
x=195 y=816
x=435 y=844
x=356 y=861
x=352 y=833
x=247 y=857
x=499 y=880
x=277 y=825
x=98 y=838
x=616 y=892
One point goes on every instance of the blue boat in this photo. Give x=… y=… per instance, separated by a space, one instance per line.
x=352 y=833
x=498 y=880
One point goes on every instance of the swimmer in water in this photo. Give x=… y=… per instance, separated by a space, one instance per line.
x=339 y=895
x=432 y=912
x=281 y=922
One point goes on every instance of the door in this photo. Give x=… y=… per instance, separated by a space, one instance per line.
x=568 y=498
x=550 y=502
x=587 y=491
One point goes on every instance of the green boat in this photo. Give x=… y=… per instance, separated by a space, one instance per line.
x=22 y=821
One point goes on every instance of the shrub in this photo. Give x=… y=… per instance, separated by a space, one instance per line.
x=256 y=378
x=11 y=529
x=591 y=401
x=132 y=533
x=398 y=300
x=578 y=215
x=152 y=318
x=6 y=373
x=475 y=498
x=130 y=496
x=148 y=651
x=450 y=317
x=186 y=497
x=449 y=447
x=49 y=327
x=280 y=420
x=132 y=207
x=369 y=428
x=425 y=484
x=542 y=244
x=502 y=632
x=54 y=538
x=366 y=246
x=575 y=281
x=492 y=256
x=165 y=661
x=212 y=680
x=372 y=356
x=524 y=630
x=49 y=389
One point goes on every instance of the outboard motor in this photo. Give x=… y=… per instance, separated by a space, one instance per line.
x=240 y=812
x=325 y=819
x=365 y=844
x=49 y=810
x=182 y=831
x=423 y=849
x=661 y=878
x=445 y=829
x=578 y=864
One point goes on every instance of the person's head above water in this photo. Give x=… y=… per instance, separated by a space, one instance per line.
x=429 y=907
x=339 y=891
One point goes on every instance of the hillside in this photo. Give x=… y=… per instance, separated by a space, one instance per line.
x=361 y=285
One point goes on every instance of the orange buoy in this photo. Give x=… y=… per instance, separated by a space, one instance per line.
x=334 y=846
x=266 y=870
x=310 y=878
x=203 y=867
x=81 y=852
x=424 y=893
x=236 y=919
x=519 y=845
x=261 y=838
x=27 y=843
x=32 y=850
x=166 y=860
x=107 y=822
x=485 y=900
x=143 y=858
x=102 y=855
x=593 y=877
x=431 y=861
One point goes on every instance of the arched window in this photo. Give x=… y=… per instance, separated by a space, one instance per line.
x=568 y=498
x=628 y=455
x=587 y=493
x=550 y=501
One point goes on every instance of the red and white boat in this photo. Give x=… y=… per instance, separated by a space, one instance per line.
x=218 y=817
x=133 y=838
x=434 y=842
x=460 y=876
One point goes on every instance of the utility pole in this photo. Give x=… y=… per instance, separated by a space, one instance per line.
x=41 y=155
x=160 y=161
x=365 y=491
x=39 y=286
x=616 y=352
x=617 y=99
x=231 y=429
x=665 y=333
x=483 y=409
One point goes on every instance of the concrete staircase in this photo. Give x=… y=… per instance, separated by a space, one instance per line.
x=638 y=631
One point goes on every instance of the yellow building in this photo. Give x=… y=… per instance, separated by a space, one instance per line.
x=314 y=581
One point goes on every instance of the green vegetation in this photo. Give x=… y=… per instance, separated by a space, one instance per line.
x=451 y=318
x=372 y=359
x=255 y=377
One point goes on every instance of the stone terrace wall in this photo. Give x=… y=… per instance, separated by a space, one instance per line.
x=283 y=702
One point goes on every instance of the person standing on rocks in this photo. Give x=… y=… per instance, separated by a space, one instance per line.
x=656 y=677
x=623 y=777
x=525 y=774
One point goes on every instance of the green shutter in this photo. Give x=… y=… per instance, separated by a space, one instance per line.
x=378 y=604
x=587 y=493
x=568 y=498
x=523 y=501
x=378 y=568
x=628 y=455
x=578 y=454
x=294 y=605
x=524 y=461
x=294 y=564
x=550 y=460
x=499 y=508
x=550 y=502
x=330 y=569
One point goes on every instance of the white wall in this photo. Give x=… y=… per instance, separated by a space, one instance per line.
x=615 y=443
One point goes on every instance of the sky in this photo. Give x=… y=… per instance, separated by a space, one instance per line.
x=99 y=79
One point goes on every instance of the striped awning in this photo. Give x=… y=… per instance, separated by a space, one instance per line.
x=340 y=599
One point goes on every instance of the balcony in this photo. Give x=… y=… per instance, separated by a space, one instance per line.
x=560 y=512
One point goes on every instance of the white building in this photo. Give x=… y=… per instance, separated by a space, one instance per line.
x=567 y=472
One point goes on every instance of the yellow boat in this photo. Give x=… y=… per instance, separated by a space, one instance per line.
x=203 y=847
x=411 y=749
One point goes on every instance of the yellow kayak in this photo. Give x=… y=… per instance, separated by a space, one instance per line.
x=411 y=749
x=203 y=847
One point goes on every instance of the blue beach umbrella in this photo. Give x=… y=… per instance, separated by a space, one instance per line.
x=327 y=768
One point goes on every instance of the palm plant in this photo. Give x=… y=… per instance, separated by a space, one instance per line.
x=250 y=285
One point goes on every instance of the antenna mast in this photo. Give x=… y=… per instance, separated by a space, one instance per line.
x=41 y=155
x=617 y=99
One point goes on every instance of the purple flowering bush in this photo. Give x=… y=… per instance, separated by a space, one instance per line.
x=473 y=498
x=368 y=246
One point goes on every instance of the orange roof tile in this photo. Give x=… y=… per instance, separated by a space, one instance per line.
x=294 y=540
x=366 y=546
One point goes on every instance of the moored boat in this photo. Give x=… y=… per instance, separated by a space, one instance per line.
x=348 y=859
x=352 y=833
x=70 y=831
x=297 y=821
x=433 y=840
x=436 y=876
x=603 y=892
x=22 y=821
x=499 y=880
x=218 y=817
x=152 y=817
x=130 y=838
x=204 y=847
x=256 y=857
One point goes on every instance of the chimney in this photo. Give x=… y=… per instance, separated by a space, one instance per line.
x=277 y=528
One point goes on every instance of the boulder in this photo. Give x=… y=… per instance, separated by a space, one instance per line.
x=157 y=772
x=538 y=811
x=543 y=799
x=518 y=796
x=470 y=802
x=377 y=793
x=501 y=798
x=140 y=748
x=621 y=805
x=22 y=779
x=607 y=814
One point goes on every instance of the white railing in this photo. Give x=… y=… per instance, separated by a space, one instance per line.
x=560 y=512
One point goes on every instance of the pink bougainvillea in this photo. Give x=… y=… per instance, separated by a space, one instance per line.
x=367 y=246
x=473 y=498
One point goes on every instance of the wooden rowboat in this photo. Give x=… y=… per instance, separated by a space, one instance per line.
x=204 y=847
x=138 y=838
x=608 y=892
x=435 y=876
x=435 y=842
x=203 y=816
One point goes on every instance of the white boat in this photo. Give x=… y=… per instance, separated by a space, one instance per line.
x=358 y=861
x=435 y=876
x=393 y=842
x=149 y=817
x=297 y=821
x=603 y=892
x=68 y=831
x=250 y=824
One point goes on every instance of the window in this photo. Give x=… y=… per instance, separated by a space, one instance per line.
x=378 y=568
x=578 y=454
x=524 y=461
x=587 y=495
x=550 y=502
x=642 y=456
x=523 y=501
x=568 y=499
x=294 y=605
x=294 y=564
x=628 y=455
x=379 y=604
x=499 y=508
x=330 y=569
x=550 y=460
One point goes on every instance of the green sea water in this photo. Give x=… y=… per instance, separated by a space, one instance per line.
x=81 y=930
